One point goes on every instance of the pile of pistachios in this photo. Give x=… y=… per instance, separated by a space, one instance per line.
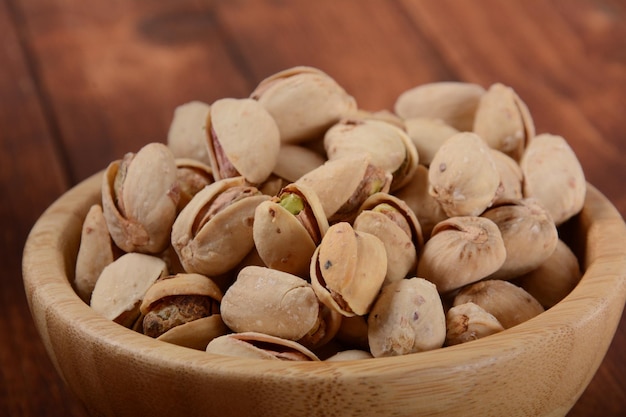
x=293 y=225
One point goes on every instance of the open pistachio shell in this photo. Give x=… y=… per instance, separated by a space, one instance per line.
x=187 y=134
x=304 y=101
x=407 y=317
x=294 y=161
x=213 y=233
x=192 y=176
x=243 y=140
x=467 y=322
x=347 y=269
x=196 y=334
x=260 y=346
x=428 y=135
x=288 y=228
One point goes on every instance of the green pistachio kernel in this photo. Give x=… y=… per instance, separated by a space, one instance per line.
x=292 y=203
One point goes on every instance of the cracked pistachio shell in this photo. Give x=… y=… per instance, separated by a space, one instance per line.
x=408 y=317
x=192 y=176
x=348 y=269
x=469 y=321
x=511 y=177
x=260 y=346
x=554 y=278
x=428 y=135
x=196 y=334
x=529 y=234
x=294 y=161
x=242 y=139
x=393 y=222
x=288 y=228
x=388 y=146
x=453 y=102
x=508 y=303
x=122 y=286
x=94 y=253
x=213 y=245
x=139 y=198
x=460 y=251
x=503 y=121
x=553 y=175
x=187 y=133
x=304 y=101
x=463 y=176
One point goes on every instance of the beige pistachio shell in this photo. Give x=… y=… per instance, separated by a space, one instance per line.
x=349 y=355
x=428 y=135
x=388 y=146
x=553 y=279
x=325 y=330
x=139 y=198
x=453 y=102
x=553 y=175
x=460 y=251
x=407 y=317
x=511 y=177
x=213 y=246
x=187 y=133
x=288 y=228
x=348 y=269
x=243 y=140
x=192 y=177
x=94 y=253
x=123 y=284
x=304 y=101
x=196 y=334
x=260 y=346
x=503 y=121
x=294 y=161
x=529 y=236
x=469 y=321
x=463 y=176
x=508 y=303
x=382 y=115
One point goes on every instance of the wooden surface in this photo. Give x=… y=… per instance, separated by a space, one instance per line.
x=83 y=82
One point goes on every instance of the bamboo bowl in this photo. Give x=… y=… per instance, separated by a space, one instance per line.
x=540 y=367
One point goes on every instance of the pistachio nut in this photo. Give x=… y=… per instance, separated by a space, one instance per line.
x=242 y=139
x=94 y=253
x=349 y=355
x=503 y=121
x=122 y=286
x=388 y=146
x=529 y=236
x=260 y=346
x=467 y=322
x=428 y=135
x=192 y=176
x=140 y=195
x=348 y=269
x=511 y=177
x=553 y=175
x=213 y=233
x=460 y=251
x=187 y=133
x=407 y=317
x=453 y=102
x=304 y=101
x=294 y=161
x=508 y=303
x=288 y=228
x=463 y=176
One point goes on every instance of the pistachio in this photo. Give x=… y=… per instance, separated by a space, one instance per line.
x=294 y=161
x=192 y=177
x=511 y=177
x=467 y=322
x=260 y=346
x=187 y=133
x=382 y=115
x=407 y=317
x=349 y=355
x=428 y=135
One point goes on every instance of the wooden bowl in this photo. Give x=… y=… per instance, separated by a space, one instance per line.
x=540 y=367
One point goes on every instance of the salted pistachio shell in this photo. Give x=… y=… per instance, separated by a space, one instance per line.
x=453 y=102
x=428 y=134
x=294 y=161
x=192 y=176
x=508 y=303
x=243 y=140
x=122 y=286
x=553 y=175
x=511 y=177
x=463 y=176
x=407 y=317
x=260 y=346
x=388 y=146
x=187 y=133
x=139 y=198
x=347 y=269
x=196 y=334
x=288 y=228
x=467 y=322
x=94 y=253
x=529 y=236
x=304 y=101
x=349 y=355
x=503 y=121
x=382 y=115
x=213 y=233
x=554 y=278
x=460 y=251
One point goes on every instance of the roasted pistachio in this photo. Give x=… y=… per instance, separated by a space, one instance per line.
x=294 y=161
x=511 y=177
x=349 y=355
x=187 y=134
x=192 y=177
x=467 y=322
x=260 y=346
x=428 y=135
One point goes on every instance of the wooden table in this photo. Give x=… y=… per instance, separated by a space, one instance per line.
x=81 y=83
